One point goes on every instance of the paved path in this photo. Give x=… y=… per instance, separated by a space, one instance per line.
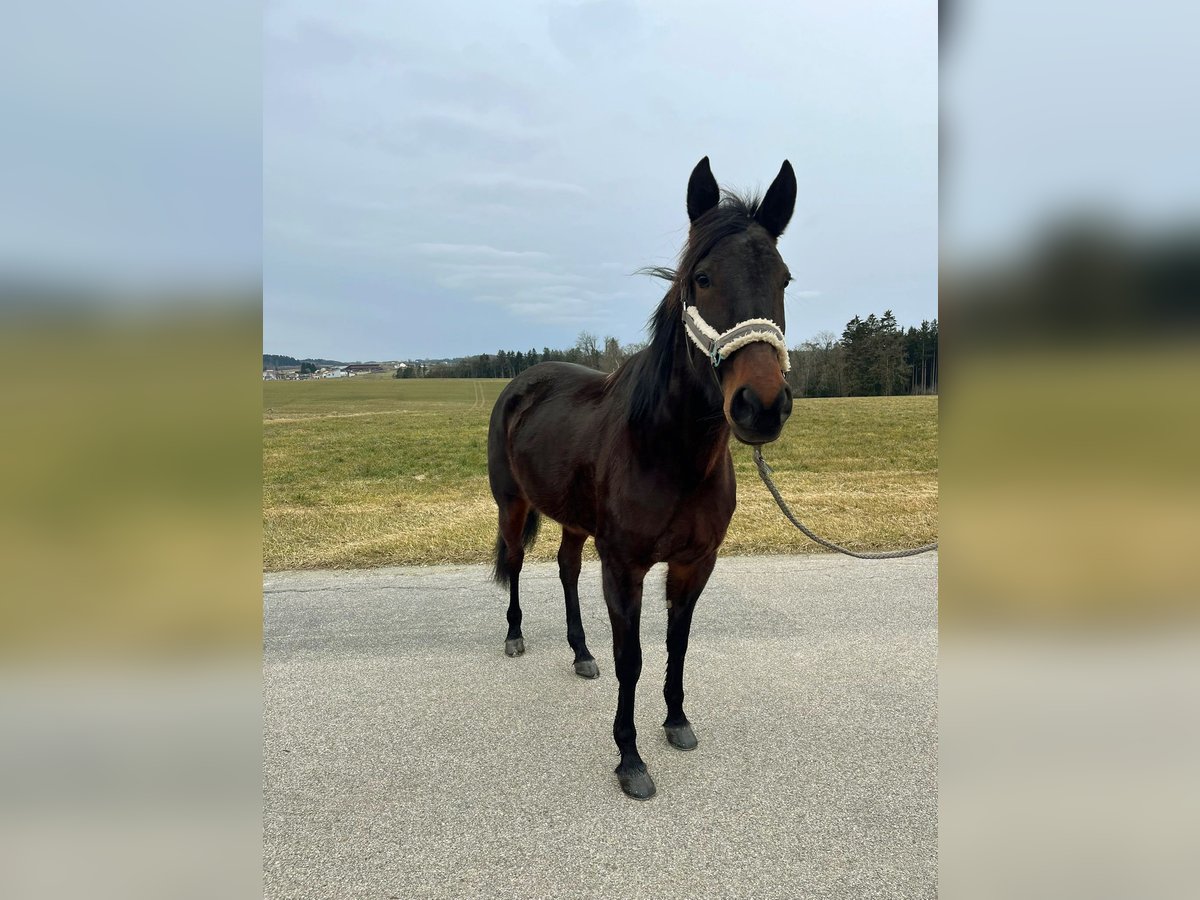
x=405 y=756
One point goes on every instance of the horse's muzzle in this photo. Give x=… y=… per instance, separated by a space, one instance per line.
x=755 y=422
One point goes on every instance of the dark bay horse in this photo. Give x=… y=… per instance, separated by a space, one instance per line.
x=639 y=459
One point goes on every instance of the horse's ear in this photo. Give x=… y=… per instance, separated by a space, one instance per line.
x=703 y=193
x=776 y=208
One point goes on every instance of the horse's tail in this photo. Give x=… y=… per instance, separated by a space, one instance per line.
x=502 y=574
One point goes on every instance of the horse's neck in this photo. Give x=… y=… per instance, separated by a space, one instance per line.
x=693 y=423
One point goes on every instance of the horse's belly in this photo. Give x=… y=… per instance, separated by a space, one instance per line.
x=570 y=502
x=554 y=480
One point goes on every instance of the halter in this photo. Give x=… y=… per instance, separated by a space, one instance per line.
x=722 y=345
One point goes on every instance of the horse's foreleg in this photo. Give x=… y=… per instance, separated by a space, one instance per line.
x=684 y=584
x=570 y=556
x=623 y=596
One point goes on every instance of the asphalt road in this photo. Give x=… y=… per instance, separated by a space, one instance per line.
x=405 y=756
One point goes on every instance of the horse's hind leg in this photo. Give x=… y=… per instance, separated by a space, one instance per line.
x=570 y=558
x=510 y=556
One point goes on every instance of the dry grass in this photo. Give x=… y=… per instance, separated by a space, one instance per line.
x=1073 y=495
x=129 y=527
x=378 y=471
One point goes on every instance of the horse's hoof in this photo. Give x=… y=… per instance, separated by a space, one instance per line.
x=587 y=668
x=636 y=782
x=681 y=736
x=514 y=646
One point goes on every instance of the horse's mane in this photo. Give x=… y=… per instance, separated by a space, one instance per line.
x=648 y=373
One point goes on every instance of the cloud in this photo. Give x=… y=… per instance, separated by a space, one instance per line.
x=519 y=183
x=525 y=283
x=474 y=251
x=557 y=303
x=593 y=29
x=465 y=276
x=528 y=284
x=562 y=311
x=443 y=133
x=320 y=45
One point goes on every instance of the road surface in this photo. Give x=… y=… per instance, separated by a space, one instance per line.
x=405 y=756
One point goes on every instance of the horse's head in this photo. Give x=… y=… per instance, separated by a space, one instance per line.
x=734 y=279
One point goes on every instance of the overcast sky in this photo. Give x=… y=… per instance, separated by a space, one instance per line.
x=453 y=178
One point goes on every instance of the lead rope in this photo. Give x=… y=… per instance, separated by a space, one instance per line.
x=764 y=472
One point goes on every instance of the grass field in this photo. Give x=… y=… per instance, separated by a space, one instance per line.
x=376 y=471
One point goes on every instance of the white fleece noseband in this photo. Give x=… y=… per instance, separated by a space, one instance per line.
x=721 y=345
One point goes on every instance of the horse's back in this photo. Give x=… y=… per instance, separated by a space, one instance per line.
x=546 y=383
x=557 y=377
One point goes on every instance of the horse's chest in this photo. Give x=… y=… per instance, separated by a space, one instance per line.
x=697 y=525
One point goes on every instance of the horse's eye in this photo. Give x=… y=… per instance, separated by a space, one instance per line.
x=702 y=280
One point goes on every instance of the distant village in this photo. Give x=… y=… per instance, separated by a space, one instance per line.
x=309 y=371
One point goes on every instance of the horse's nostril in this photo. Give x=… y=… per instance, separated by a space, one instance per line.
x=742 y=409
x=786 y=408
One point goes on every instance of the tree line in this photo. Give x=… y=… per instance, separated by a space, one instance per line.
x=279 y=361
x=873 y=357
x=604 y=354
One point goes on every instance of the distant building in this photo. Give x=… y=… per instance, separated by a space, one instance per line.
x=364 y=369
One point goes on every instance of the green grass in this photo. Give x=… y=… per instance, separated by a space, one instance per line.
x=379 y=471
